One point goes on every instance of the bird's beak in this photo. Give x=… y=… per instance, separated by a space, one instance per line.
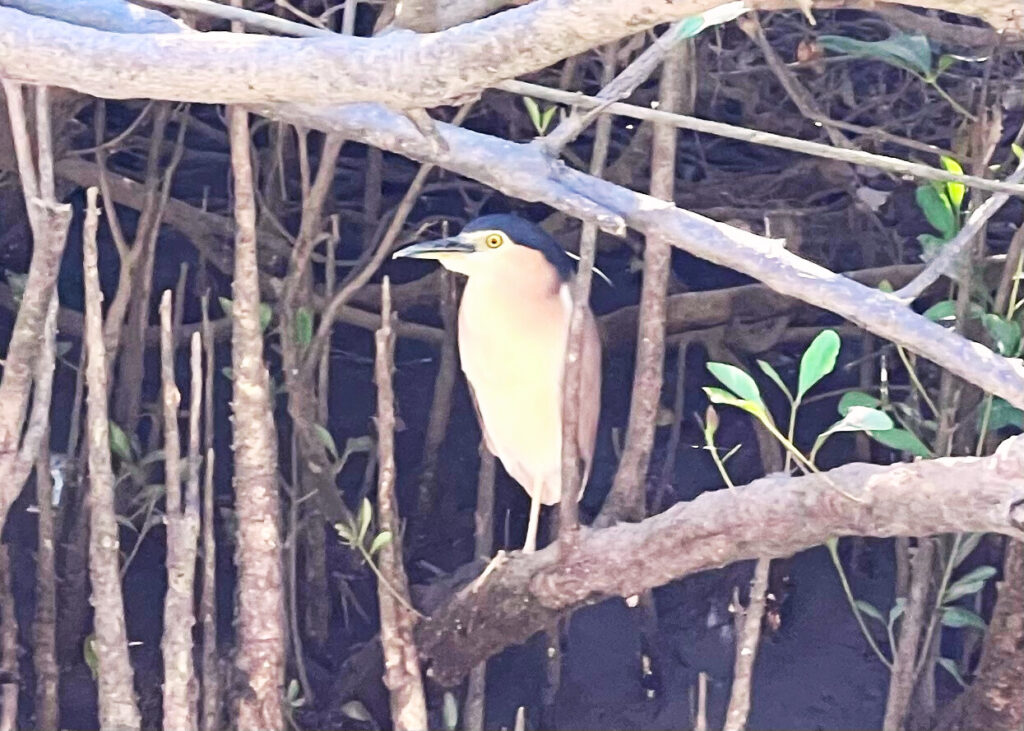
x=437 y=249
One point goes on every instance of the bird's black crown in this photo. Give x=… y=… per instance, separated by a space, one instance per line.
x=526 y=233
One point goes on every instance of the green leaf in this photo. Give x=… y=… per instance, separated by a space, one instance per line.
x=981 y=573
x=944 y=62
x=886 y=286
x=938 y=210
x=869 y=609
x=902 y=440
x=968 y=543
x=356 y=711
x=736 y=380
x=532 y=111
x=857 y=398
x=950 y=667
x=379 y=541
x=303 y=327
x=228 y=372
x=120 y=444
x=365 y=518
x=326 y=439
x=92 y=660
x=721 y=396
x=266 y=315
x=961 y=589
x=226 y=305
x=955 y=191
x=691 y=26
x=1018 y=151
x=773 y=374
x=863 y=418
x=1001 y=415
x=897 y=609
x=912 y=52
x=450 y=711
x=818 y=361
x=1005 y=334
x=961 y=617
x=345 y=531
x=545 y=118
x=942 y=310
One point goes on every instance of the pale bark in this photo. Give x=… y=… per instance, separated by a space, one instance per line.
x=118 y=709
x=627 y=498
x=182 y=521
x=772 y=517
x=49 y=222
x=397 y=622
x=261 y=624
x=523 y=171
x=44 y=626
x=404 y=70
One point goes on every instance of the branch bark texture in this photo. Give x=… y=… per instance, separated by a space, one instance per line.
x=116 y=685
x=772 y=517
x=523 y=171
x=261 y=640
x=404 y=70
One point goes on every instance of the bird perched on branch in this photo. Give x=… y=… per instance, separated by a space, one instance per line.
x=513 y=333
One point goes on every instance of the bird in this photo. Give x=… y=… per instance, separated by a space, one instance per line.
x=513 y=327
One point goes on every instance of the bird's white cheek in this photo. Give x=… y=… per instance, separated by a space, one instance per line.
x=460 y=263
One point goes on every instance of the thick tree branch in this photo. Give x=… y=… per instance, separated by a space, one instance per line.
x=404 y=70
x=524 y=172
x=771 y=517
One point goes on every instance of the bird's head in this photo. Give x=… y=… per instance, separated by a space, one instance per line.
x=500 y=244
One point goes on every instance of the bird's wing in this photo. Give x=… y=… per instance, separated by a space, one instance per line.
x=590 y=397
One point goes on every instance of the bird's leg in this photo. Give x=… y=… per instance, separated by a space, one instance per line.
x=531 y=527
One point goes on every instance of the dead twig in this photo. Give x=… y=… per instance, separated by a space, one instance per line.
x=44 y=626
x=179 y=688
x=401 y=659
x=117 y=705
x=261 y=626
x=904 y=679
x=747 y=641
x=572 y=398
x=806 y=147
x=945 y=264
x=27 y=353
x=627 y=497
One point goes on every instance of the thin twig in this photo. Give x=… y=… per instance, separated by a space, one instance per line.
x=8 y=645
x=747 y=643
x=441 y=404
x=901 y=686
x=44 y=626
x=946 y=261
x=117 y=707
x=624 y=84
x=261 y=652
x=627 y=496
x=580 y=318
x=817 y=149
x=483 y=518
x=179 y=675
x=401 y=659
x=362 y=274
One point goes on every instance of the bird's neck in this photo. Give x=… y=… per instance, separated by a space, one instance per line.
x=518 y=284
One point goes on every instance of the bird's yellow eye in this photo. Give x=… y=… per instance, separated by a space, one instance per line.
x=493 y=241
